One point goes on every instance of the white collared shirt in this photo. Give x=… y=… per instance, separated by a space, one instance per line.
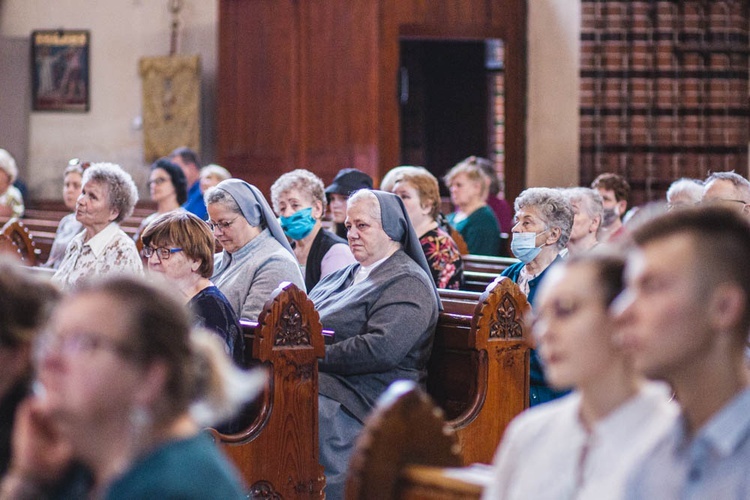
x=109 y=251
x=364 y=271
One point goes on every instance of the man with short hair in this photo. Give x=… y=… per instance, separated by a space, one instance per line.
x=729 y=189
x=188 y=161
x=587 y=217
x=685 y=316
x=614 y=190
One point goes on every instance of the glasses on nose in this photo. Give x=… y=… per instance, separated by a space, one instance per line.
x=76 y=162
x=158 y=182
x=222 y=225
x=724 y=201
x=162 y=252
x=78 y=344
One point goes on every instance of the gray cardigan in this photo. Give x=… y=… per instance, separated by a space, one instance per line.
x=384 y=327
x=249 y=276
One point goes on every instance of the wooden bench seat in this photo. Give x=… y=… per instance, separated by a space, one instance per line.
x=408 y=451
x=478 y=372
x=276 y=450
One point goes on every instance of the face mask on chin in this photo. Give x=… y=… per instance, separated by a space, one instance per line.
x=523 y=246
x=299 y=224
x=609 y=216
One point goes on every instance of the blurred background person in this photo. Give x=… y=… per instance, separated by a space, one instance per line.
x=420 y=193
x=727 y=189
x=347 y=181
x=469 y=187
x=495 y=197
x=684 y=193
x=190 y=163
x=25 y=304
x=68 y=226
x=256 y=255
x=585 y=444
x=211 y=175
x=614 y=190
x=127 y=398
x=299 y=200
x=180 y=247
x=107 y=197
x=587 y=217
x=11 y=199
x=167 y=186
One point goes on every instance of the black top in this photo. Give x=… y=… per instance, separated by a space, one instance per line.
x=213 y=311
x=319 y=248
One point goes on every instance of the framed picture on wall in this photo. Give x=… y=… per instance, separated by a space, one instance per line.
x=60 y=70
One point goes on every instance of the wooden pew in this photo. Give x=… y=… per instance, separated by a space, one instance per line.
x=19 y=234
x=478 y=372
x=277 y=450
x=487 y=264
x=408 y=451
x=9 y=249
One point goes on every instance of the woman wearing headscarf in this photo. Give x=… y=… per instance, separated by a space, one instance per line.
x=384 y=310
x=256 y=256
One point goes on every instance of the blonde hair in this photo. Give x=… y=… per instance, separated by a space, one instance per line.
x=473 y=172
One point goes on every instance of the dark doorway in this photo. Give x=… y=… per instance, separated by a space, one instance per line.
x=445 y=103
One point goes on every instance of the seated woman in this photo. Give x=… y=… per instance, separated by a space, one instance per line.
x=25 y=305
x=68 y=226
x=584 y=445
x=384 y=310
x=127 y=398
x=300 y=202
x=11 y=199
x=107 y=197
x=419 y=191
x=544 y=220
x=167 y=185
x=256 y=256
x=347 y=181
x=475 y=221
x=211 y=175
x=180 y=247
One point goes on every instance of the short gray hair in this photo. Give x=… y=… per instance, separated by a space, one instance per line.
x=216 y=196
x=121 y=190
x=693 y=188
x=741 y=184
x=366 y=196
x=302 y=180
x=554 y=210
x=217 y=170
x=8 y=164
x=592 y=200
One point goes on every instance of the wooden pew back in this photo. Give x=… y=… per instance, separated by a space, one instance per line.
x=19 y=234
x=277 y=451
x=479 y=368
x=402 y=450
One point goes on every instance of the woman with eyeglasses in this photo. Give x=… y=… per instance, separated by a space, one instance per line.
x=179 y=247
x=68 y=226
x=256 y=255
x=107 y=197
x=167 y=186
x=119 y=402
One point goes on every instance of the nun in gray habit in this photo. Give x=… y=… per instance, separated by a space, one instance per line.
x=256 y=256
x=383 y=311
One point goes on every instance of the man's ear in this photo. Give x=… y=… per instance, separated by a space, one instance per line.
x=622 y=206
x=726 y=307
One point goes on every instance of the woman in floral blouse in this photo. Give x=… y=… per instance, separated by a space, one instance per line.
x=107 y=197
x=419 y=191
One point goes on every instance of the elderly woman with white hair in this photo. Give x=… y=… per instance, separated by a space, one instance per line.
x=684 y=192
x=384 y=309
x=544 y=220
x=256 y=255
x=11 y=200
x=588 y=211
x=107 y=197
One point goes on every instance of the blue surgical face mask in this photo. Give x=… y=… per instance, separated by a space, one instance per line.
x=523 y=246
x=299 y=224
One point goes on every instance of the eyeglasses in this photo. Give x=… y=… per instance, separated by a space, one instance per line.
x=162 y=252
x=223 y=226
x=158 y=181
x=77 y=344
